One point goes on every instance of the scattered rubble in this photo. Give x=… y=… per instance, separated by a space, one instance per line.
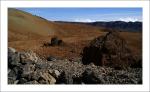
x=28 y=68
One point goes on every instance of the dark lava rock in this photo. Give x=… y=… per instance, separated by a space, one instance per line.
x=62 y=79
x=77 y=80
x=90 y=77
x=28 y=68
x=11 y=81
x=108 y=50
x=65 y=78
x=22 y=81
x=47 y=44
x=56 y=41
x=41 y=65
x=51 y=58
x=13 y=58
x=12 y=75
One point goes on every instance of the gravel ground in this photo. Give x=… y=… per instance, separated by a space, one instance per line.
x=75 y=69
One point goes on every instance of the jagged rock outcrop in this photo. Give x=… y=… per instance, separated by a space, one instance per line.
x=28 y=68
x=109 y=50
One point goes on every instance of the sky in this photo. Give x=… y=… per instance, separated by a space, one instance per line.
x=87 y=14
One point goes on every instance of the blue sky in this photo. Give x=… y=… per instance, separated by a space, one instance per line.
x=87 y=14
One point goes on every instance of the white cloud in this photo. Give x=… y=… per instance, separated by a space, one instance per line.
x=84 y=20
x=128 y=19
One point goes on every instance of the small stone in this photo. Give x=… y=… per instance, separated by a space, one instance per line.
x=51 y=58
x=134 y=81
x=28 y=57
x=48 y=78
x=12 y=75
x=11 y=50
x=56 y=73
x=10 y=81
x=16 y=82
x=9 y=71
x=28 y=70
x=91 y=77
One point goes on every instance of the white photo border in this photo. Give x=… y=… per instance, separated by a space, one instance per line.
x=92 y=4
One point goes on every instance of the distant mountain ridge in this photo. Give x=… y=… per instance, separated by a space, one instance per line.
x=118 y=25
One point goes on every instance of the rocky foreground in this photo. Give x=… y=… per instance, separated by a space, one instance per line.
x=106 y=60
x=28 y=68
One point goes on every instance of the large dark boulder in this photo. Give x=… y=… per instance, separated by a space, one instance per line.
x=56 y=41
x=108 y=50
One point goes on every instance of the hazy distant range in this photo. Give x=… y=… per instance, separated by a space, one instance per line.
x=118 y=25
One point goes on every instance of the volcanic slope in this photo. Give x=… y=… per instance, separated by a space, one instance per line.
x=24 y=26
x=29 y=32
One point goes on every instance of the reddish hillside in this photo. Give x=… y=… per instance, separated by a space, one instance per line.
x=29 y=32
x=24 y=26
